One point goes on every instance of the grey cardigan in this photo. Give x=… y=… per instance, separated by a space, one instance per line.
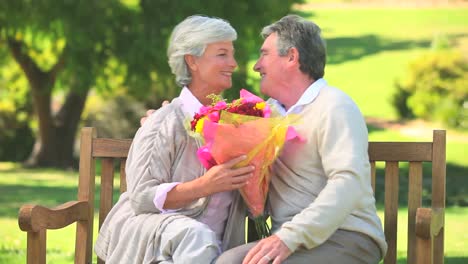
x=161 y=152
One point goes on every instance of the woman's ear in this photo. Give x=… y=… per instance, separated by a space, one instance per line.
x=190 y=60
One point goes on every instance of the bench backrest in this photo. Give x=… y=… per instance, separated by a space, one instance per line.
x=425 y=226
x=419 y=246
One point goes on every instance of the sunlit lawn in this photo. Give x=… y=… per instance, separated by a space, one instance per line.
x=368 y=50
x=52 y=187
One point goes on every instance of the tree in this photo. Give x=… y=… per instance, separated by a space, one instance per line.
x=67 y=48
x=56 y=49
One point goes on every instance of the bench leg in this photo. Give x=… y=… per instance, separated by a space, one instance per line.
x=36 y=247
x=423 y=251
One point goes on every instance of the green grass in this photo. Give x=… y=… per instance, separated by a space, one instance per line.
x=369 y=49
x=60 y=242
x=455 y=237
x=60 y=247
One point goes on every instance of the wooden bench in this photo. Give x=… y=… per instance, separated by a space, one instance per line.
x=425 y=225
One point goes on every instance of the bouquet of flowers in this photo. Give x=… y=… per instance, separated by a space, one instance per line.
x=244 y=126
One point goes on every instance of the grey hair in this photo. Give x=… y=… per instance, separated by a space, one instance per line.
x=190 y=37
x=295 y=31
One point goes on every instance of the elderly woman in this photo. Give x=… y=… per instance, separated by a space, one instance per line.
x=174 y=210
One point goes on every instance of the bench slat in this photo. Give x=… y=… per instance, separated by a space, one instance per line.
x=111 y=148
x=123 y=176
x=86 y=184
x=372 y=163
x=391 y=210
x=414 y=201
x=400 y=151
x=107 y=187
x=439 y=171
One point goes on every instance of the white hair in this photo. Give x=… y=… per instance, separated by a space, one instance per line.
x=190 y=37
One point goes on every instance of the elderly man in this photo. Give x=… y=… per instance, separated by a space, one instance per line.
x=321 y=201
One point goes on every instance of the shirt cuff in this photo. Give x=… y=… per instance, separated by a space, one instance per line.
x=161 y=194
x=288 y=238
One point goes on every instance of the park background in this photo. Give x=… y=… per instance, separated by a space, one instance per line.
x=69 y=64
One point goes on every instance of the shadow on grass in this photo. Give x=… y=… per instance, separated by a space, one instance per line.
x=456 y=185
x=344 y=49
x=14 y=196
x=371 y=129
x=447 y=260
x=17 y=195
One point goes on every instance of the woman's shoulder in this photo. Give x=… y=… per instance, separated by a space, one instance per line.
x=166 y=122
x=168 y=115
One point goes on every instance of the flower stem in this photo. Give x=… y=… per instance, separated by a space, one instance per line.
x=263 y=230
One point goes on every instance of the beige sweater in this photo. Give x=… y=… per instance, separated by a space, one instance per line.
x=323 y=184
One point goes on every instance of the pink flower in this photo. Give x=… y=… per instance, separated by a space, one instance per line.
x=221 y=105
x=204 y=155
x=213 y=116
x=248 y=97
x=267 y=111
x=204 y=110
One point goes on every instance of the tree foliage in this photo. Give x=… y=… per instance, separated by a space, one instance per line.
x=67 y=48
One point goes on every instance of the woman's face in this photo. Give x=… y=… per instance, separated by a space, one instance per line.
x=213 y=70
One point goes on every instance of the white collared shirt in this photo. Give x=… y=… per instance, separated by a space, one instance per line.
x=307 y=97
x=190 y=103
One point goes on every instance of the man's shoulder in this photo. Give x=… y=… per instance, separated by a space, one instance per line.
x=333 y=91
x=335 y=96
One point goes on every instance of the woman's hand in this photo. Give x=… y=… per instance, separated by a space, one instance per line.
x=224 y=177
x=220 y=178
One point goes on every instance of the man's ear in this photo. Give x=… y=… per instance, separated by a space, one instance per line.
x=190 y=60
x=293 y=55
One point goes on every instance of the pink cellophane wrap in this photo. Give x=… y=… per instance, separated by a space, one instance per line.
x=261 y=139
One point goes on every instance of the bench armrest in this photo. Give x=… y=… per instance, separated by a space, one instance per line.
x=429 y=222
x=33 y=218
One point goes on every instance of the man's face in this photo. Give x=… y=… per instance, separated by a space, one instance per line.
x=271 y=68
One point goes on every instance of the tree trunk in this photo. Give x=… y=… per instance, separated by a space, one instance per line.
x=55 y=146
x=55 y=142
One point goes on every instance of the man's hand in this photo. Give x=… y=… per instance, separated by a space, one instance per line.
x=149 y=112
x=267 y=250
